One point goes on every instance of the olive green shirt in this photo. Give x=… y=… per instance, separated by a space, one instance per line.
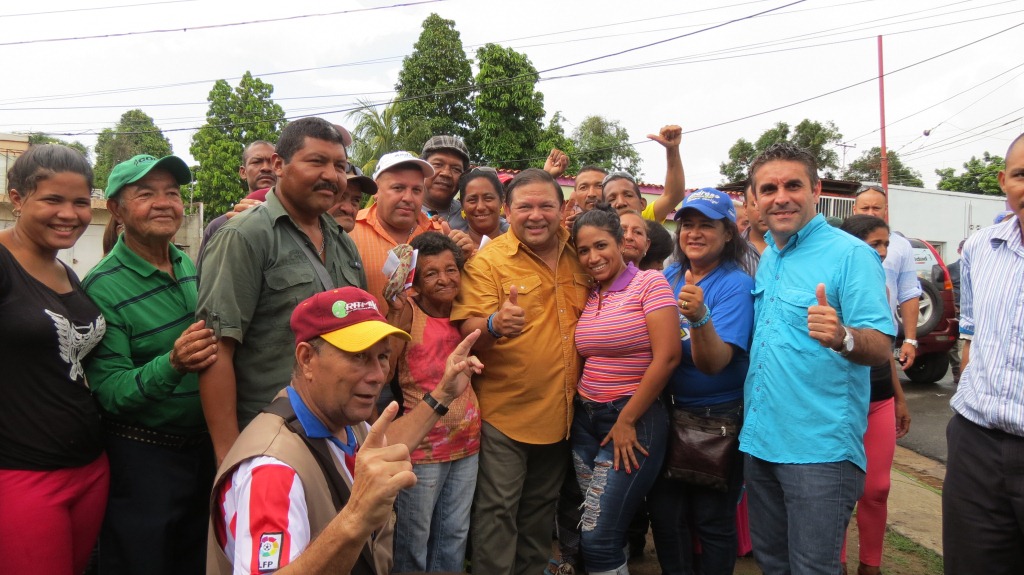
x=251 y=277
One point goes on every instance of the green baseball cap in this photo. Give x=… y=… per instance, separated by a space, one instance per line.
x=133 y=170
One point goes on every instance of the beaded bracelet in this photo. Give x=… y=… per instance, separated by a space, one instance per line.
x=703 y=320
x=490 y=326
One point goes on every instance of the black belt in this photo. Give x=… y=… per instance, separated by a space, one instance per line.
x=153 y=437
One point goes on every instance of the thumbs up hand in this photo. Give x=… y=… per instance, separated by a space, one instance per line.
x=510 y=319
x=823 y=322
x=691 y=300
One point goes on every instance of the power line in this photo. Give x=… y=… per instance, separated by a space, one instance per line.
x=68 y=10
x=215 y=26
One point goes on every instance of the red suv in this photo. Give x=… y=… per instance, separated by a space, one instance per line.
x=937 y=325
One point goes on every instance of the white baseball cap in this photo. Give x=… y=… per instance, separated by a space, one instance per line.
x=395 y=159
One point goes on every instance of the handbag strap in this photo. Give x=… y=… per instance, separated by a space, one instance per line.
x=325 y=278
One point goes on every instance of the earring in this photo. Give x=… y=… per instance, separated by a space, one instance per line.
x=17 y=212
x=463 y=212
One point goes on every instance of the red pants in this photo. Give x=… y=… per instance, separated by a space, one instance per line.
x=49 y=520
x=872 y=510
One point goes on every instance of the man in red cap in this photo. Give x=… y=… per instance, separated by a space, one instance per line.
x=291 y=494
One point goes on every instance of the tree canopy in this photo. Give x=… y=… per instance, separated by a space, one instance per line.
x=605 y=143
x=818 y=138
x=377 y=132
x=980 y=176
x=434 y=85
x=135 y=133
x=235 y=118
x=36 y=138
x=553 y=136
x=508 y=109
x=868 y=167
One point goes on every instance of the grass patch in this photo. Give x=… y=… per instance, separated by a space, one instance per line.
x=904 y=553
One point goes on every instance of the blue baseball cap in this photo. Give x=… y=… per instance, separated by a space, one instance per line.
x=713 y=203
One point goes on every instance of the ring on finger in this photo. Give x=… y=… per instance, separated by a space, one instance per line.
x=685 y=303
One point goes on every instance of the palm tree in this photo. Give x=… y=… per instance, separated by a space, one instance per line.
x=376 y=133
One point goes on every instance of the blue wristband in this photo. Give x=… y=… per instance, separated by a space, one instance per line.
x=490 y=327
x=703 y=320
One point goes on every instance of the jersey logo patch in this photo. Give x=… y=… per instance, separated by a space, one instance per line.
x=270 y=551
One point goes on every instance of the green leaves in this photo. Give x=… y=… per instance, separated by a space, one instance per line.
x=818 y=138
x=434 y=86
x=508 y=109
x=134 y=134
x=605 y=143
x=868 y=167
x=235 y=118
x=979 y=176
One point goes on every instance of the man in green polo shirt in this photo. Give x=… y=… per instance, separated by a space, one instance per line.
x=143 y=375
x=260 y=265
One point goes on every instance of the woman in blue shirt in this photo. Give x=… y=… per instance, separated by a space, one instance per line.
x=716 y=314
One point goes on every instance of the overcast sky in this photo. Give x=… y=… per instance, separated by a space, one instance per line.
x=971 y=100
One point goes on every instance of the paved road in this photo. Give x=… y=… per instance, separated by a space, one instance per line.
x=929 y=414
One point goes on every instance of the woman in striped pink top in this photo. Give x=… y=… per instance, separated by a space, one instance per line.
x=628 y=337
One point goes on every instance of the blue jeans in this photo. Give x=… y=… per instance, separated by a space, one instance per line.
x=612 y=497
x=675 y=507
x=433 y=517
x=799 y=514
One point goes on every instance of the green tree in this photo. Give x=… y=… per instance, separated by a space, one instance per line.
x=134 y=134
x=605 y=143
x=868 y=167
x=434 y=85
x=980 y=176
x=817 y=138
x=377 y=132
x=553 y=136
x=235 y=118
x=36 y=138
x=509 y=110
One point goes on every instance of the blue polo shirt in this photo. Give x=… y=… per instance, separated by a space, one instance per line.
x=727 y=292
x=804 y=402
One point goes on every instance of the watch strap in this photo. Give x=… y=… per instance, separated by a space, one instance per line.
x=435 y=405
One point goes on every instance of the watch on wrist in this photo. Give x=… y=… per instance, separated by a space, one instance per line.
x=846 y=347
x=912 y=342
x=435 y=405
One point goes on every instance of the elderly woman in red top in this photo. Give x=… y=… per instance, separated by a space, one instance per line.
x=629 y=339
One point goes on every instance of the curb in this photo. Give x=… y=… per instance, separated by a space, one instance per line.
x=915 y=498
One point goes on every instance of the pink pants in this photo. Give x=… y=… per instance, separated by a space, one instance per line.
x=880 y=444
x=49 y=520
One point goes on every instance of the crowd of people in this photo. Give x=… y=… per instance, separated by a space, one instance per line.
x=473 y=362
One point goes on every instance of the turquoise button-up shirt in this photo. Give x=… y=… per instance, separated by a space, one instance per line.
x=804 y=402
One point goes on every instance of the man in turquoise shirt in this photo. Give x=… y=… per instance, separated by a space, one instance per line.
x=821 y=318
x=143 y=375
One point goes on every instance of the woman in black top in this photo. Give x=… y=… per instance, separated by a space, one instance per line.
x=53 y=473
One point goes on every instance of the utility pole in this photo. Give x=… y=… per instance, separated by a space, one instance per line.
x=844 y=145
x=884 y=156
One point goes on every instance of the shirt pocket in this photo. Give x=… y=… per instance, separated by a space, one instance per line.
x=286 y=287
x=793 y=304
x=530 y=297
x=582 y=284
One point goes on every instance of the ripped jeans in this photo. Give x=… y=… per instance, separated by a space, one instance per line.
x=612 y=497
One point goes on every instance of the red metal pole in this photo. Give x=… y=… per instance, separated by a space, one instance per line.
x=881 y=106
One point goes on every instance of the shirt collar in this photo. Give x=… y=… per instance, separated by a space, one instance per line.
x=624 y=278
x=369 y=215
x=275 y=209
x=1008 y=233
x=136 y=263
x=812 y=226
x=314 y=428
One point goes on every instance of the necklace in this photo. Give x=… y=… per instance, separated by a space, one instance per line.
x=323 y=241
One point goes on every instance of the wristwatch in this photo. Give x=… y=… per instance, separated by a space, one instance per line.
x=435 y=405
x=847 y=346
x=912 y=342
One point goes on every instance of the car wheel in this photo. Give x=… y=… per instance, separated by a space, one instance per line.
x=930 y=310
x=928 y=368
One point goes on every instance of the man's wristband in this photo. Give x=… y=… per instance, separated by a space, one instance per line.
x=490 y=327
x=912 y=342
x=433 y=403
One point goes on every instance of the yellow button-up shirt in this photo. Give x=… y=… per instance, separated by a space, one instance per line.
x=529 y=381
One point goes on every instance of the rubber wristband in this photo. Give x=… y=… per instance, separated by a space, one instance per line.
x=433 y=403
x=703 y=320
x=490 y=327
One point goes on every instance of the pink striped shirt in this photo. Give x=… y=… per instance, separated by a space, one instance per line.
x=613 y=340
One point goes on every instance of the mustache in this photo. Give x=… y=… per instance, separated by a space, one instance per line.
x=326 y=186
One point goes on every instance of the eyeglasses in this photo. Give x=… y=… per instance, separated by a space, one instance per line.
x=618 y=176
x=870 y=189
x=455 y=169
x=486 y=169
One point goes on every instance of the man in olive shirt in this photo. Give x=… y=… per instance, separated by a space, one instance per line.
x=143 y=375
x=264 y=262
x=525 y=292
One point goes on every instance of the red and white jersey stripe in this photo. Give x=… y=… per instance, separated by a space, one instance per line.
x=263 y=523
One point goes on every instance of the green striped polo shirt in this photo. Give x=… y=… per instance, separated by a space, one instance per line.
x=130 y=372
